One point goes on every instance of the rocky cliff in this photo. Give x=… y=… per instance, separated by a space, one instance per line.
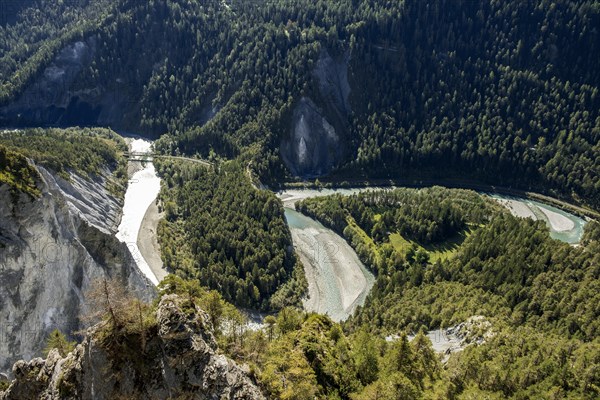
x=51 y=249
x=315 y=142
x=178 y=359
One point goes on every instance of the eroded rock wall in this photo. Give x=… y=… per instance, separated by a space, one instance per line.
x=57 y=98
x=316 y=141
x=313 y=146
x=51 y=249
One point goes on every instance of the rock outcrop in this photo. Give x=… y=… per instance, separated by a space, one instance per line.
x=88 y=198
x=477 y=329
x=313 y=146
x=179 y=360
x=332 y=80
x=51 y=249
x=315 y=143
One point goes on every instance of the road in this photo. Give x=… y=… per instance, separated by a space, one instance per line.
x=149 y=157
x=196 y=160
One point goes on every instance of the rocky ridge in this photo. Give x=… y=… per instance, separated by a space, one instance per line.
x=179 y=359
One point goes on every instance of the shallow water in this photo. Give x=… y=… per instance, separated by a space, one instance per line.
x=337 y=281
x=328 y=259
x=563 y=225
x=142 y=190
x=290 y=197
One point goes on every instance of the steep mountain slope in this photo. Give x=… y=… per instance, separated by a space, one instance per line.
x=495 y=92
x=443 y=256
x=500 y=92
x=228 y=235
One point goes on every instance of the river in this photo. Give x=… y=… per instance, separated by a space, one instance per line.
x=141 y=193
x=338 y=282
x=562 y=225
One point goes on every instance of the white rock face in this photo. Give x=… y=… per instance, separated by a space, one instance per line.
x=51 y=249
x=89 y=199
x=332 y=77
x=301 y=152
x=315 y=142
x=313 y=146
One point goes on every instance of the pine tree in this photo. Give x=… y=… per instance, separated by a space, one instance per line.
x=58 y=340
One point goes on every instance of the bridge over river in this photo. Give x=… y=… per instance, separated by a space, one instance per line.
x=149 y=157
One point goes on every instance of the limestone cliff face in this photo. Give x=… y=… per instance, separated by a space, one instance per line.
x=315 y=142
x=178 y=361
x=51 y=249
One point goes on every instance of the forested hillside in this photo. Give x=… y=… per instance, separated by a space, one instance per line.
x=499 y=92
x=490 y=92
x=228 y=235
x=384 y=225
x=533 y=289
x=32 y=32
x=503 y=91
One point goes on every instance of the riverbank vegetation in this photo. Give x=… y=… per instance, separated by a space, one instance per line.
x=16 y=172
x=384 y=226
x=230 y=236
x=534 y=289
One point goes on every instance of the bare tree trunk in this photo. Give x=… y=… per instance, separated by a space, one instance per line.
x=109 y=306
x=142 y=330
